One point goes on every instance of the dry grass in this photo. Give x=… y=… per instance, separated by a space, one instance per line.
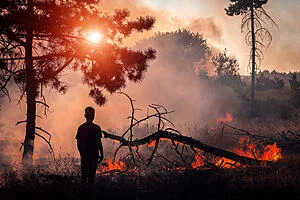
x=61 y=179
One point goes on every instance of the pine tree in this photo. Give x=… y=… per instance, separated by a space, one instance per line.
x=257 y=36
x=39 y=39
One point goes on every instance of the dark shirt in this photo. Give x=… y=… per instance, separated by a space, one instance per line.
x=88 y=135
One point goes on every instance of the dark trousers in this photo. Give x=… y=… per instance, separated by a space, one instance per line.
x=88 y=168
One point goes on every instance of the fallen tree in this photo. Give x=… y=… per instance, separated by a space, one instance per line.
x=177 y=139
x=193 y=143
x=173 y=136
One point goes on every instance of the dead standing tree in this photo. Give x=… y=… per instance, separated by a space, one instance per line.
x=174 y=136
x=257 y=36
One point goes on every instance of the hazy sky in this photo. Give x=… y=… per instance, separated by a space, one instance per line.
x=209 y=18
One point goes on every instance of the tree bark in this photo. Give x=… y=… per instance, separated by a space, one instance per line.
x=30 y=89
x=253 y=60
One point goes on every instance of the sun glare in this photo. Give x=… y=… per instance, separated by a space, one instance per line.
x=94 y=37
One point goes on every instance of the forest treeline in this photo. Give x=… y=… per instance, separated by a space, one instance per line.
x=184 y=51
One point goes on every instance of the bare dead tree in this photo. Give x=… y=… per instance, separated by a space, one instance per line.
x=257 y=35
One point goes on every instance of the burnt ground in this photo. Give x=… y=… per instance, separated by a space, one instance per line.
x=278 y=181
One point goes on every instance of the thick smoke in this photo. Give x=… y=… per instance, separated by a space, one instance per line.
x=170 y=80
x=210 y=19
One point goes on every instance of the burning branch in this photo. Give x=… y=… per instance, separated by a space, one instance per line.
x=196 y=144
x=161 y=124
x=184 y=145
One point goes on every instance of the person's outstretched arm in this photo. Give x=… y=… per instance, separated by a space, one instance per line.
x=100 y=147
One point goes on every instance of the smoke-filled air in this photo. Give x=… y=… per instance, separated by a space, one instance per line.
x=149 y=98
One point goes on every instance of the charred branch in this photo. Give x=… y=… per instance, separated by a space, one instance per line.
x=193 y=143
x=290 y=139
x=131 y=123
x=49 y=144
x=43 y=103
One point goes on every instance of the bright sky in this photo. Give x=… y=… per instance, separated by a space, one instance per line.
x=209 y=18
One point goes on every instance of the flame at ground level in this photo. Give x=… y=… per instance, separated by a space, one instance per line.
x=110 y=165
x=228 y=118
x=254 y=151
x=199 y=161
x=245 y=148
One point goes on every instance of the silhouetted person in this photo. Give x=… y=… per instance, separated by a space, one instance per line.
x=89 y=145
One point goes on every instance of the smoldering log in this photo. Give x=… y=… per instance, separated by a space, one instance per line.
x=193 y=143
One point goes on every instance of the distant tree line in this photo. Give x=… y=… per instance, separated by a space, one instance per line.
x=185 y=50
x=276 y=80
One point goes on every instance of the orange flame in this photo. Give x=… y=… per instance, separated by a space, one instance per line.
x=152 y=143
x=251 y=150
x=271 y=153
x=228 y=118
x=110 y=165
x=199 y=161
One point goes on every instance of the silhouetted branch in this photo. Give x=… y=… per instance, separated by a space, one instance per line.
x=153 y=152
x=43 y=103
x=115 y=154
x=290 y=139
x=146 y=118
x=20 y=122
x=131 y=122
x=180 y=154
x=49 y=144
x=247 y=133
x=188 y=141
x=39 y=128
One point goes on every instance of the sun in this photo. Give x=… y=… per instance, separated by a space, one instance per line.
x=94 y=37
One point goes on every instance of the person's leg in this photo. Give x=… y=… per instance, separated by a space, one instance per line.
x=84 y=169
x=92 y=169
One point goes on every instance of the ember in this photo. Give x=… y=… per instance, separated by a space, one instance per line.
x=199 y=161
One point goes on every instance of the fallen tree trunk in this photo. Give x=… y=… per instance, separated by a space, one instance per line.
x=193 y=143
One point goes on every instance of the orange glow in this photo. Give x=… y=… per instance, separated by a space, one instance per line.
x=94 y=37
x=199 y=161
x=251 y=150
x=228 y=118
x=271 y=153
x=152 y=143
x=246 y=148
x=110 y=165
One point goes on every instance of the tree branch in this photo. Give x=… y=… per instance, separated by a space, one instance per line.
x=188 y=141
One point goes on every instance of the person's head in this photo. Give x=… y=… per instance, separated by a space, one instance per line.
x=89 y=113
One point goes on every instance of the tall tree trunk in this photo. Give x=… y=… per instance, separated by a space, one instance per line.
x=30 y=92
x=253 y=61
